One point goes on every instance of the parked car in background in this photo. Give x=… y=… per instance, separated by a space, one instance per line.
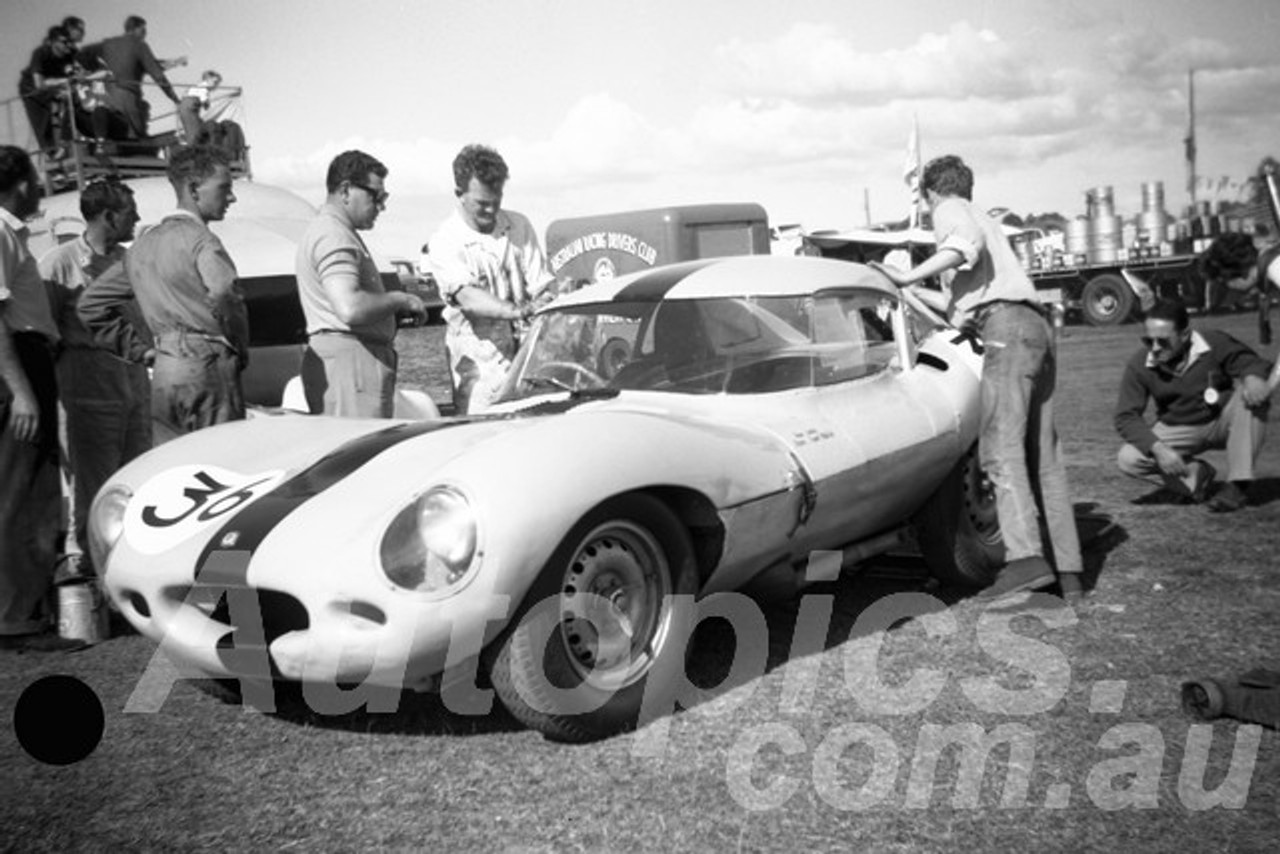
x=765 y=409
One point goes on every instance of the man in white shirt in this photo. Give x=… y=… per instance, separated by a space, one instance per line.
x=490 y=267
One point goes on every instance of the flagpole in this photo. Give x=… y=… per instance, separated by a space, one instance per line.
x=1190 y=141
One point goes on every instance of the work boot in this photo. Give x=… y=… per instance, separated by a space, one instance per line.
x=1025 y=573
x=1229 y=499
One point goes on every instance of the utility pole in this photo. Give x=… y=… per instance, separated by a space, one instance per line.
x=1190 y=141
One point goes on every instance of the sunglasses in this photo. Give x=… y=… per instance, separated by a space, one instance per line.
x=1162 y=343
x=379 y=196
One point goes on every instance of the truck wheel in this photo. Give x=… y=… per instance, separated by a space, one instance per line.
x=604 y=629
x=957 y=528
x=1107 y=300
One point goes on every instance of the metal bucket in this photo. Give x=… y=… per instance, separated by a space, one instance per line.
x=1104 y=239
x=1153 y=196
x=82 y=613
x=1152 y=226
x=1099 y=202
x=1077 y=237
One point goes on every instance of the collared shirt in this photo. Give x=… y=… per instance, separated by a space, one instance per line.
x=183 y=280
x=23 y=298
x=67 y=270
x=331 y=251
x=1214 y=360
x=508 y=263
x=990 y=270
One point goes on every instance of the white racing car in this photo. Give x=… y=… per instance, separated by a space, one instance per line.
x=687 y=430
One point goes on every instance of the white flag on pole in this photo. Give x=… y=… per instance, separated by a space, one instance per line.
x=911 y=172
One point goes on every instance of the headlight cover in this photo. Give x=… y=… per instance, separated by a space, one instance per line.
x=106 y=522
x=431 y=545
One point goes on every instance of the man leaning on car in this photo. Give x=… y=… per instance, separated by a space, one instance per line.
x=990 y=292
x=349 y=366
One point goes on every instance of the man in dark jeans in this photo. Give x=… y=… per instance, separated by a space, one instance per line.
x=1018 y=444
x=29 y=491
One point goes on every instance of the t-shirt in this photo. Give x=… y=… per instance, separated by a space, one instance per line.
x=330 y=247
x=990 y=270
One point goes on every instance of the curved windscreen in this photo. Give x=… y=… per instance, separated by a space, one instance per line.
x=732 y=345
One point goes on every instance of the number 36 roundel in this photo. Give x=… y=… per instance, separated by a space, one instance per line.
x=185 y=501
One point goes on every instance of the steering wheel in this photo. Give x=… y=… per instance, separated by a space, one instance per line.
x=592 y=379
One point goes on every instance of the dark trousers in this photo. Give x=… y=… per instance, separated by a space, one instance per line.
x=30 y=496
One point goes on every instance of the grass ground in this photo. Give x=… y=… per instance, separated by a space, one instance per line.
x=813 y=754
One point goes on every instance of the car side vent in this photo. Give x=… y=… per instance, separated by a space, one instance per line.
x=933 y=361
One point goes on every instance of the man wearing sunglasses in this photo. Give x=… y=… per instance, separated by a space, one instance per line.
x=1210 y=391
x=349 y=366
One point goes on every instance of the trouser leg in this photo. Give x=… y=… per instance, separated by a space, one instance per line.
x=1012 y=361
x=1051 y=474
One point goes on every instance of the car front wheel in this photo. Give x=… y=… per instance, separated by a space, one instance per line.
x=958 y=530
x=603 y=631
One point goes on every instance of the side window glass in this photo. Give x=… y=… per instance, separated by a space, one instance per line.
x=853 y=334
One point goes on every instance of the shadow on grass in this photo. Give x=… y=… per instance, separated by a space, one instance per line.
x=853 y=593
x=715 y=647
x=414 y=713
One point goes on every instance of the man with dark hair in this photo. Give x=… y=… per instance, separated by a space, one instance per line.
x=106 y=398
x=29 y=499
x=1234 y=264
x=349 y=366
x=42 y=86
x=1210 y=391
x=490 y=267
x=75 y=31
x=1018 y=443
x=129 y=58
x=185 y=285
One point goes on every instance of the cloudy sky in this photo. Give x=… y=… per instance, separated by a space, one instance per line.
x=805 y=107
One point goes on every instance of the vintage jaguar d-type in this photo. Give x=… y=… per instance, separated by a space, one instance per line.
x=661 y=437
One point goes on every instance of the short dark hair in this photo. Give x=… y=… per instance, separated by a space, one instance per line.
x=72 y=22
x=482 y=163
x=194 y=162
x=354 y=166
x=1229 y=256
x=15 y=167
x=132 y=22
x=1170 y=308
x=104 y=194
x=56 y=32
x=947 y=176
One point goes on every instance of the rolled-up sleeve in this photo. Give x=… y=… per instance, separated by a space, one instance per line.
x=955 y=229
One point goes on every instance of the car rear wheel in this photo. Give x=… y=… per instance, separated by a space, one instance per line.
x=958 y=529
x=612 y=608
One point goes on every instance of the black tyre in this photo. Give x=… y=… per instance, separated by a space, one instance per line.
x=958 y=530
x=1107 y=300
x=613 y=606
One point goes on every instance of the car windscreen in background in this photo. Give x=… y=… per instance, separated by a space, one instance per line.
x=275 y=315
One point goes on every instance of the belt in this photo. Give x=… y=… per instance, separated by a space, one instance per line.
x=982 y=311
x=342 y=333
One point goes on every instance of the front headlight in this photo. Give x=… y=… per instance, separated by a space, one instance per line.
x=431 y=544
x=106 y=523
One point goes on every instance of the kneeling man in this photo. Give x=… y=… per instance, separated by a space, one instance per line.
x=1210 y=391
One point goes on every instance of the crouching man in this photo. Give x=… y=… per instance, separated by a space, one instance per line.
x=1210 y=391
